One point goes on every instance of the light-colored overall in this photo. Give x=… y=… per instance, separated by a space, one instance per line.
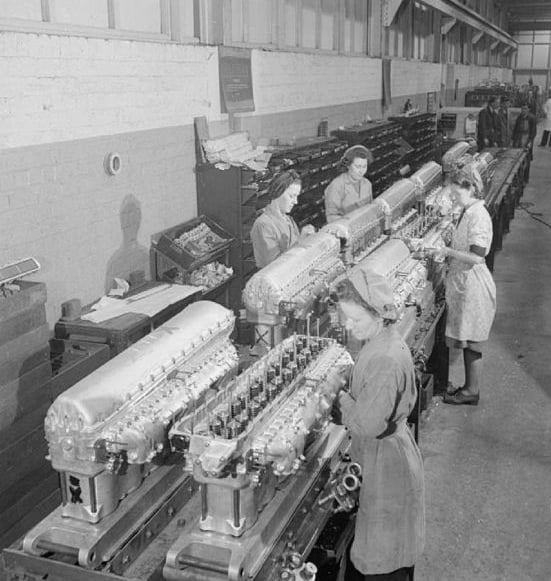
x=470 y=289
x=342 y=196
x=272 y=234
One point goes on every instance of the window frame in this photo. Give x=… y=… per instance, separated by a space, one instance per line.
x=171 y=17
x=278 y=34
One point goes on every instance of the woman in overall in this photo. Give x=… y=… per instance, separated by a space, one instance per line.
x=349 y=190
x=470 y=288
x=274 y=231
x=390 y=524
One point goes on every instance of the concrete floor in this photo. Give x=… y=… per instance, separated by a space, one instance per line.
x=488 y=468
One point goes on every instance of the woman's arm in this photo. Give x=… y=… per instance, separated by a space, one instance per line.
x=333 y=200
x=265 y=244
x=368 y=415
x=475 y=255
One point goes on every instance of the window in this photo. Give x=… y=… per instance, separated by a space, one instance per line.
x=146 y=19
x=355 y=26
x=160 y=20
x=328 y=25
x=291 y=24
x=309 y=23
x=79 y=12
x=423 y=35
x=25 y=9
x=325 y=25
x=399 y=36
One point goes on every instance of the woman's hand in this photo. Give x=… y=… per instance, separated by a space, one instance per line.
x=308 y=229
x=336 y=412
x=437 y=253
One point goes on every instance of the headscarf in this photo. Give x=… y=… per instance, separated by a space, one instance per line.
x=375 y=290
x=356 y=151
x=469 y=176
x=281 y=181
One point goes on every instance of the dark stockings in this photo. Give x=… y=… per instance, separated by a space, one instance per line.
x=472 y=361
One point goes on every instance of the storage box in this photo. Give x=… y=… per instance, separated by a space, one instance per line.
x=72 y=361
x=118 y=332
x=24 y=394
x=30 y=295
x=122 y=331
x=204 y=249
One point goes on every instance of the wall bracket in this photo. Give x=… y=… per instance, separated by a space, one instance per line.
x=390 y=8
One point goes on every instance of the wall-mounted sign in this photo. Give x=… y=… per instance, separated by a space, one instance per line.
x=431 y=102
x=236 y=83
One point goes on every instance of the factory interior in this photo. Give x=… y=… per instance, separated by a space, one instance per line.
x=273 y=290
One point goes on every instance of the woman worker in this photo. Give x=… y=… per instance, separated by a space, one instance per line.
x=351 y=189
x=470 y=288
x=390 y=524
x=274 y=231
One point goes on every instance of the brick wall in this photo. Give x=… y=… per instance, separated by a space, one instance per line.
x=59 y=88
x=66 y=102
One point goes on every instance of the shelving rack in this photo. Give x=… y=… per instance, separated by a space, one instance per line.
x=382 y=138
x=235 y=197
x=419 y=131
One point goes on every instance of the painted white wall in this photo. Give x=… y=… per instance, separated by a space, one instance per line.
x=66 y=102
x=59 y=88
x=414 y=77
x=286 y=81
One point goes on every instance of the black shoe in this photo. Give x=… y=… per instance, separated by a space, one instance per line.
x=461 y=398
x=452 y=389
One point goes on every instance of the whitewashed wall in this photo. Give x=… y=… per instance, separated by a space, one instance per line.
x=285 y=81
x=414 y=77
x=57 y=88
x=65 y=103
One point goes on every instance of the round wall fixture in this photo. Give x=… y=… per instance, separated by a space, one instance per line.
x=112 y=163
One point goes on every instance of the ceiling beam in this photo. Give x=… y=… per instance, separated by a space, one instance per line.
x=477 y=37
x=447 y=24
x=459 y=11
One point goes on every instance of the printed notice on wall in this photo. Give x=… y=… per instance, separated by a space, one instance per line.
x=236 y=83
x=431 y=102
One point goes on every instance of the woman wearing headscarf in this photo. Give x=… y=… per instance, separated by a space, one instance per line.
x=351 y=189
x=274 y=231
x=470 y=288
x=390 y=524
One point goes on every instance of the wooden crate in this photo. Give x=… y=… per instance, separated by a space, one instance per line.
x=24 y=394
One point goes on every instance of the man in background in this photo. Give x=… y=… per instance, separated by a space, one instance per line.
x=503 y=138
x=524 y=133
x=488 y=125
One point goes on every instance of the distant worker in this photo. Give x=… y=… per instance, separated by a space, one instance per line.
x=532 y=97
x=275 y=231
x=503 y=137
x=524 y=133
x=546 y=123
x=488 y=125
x=351 y=189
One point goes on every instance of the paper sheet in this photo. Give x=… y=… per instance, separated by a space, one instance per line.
x=149 y=302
